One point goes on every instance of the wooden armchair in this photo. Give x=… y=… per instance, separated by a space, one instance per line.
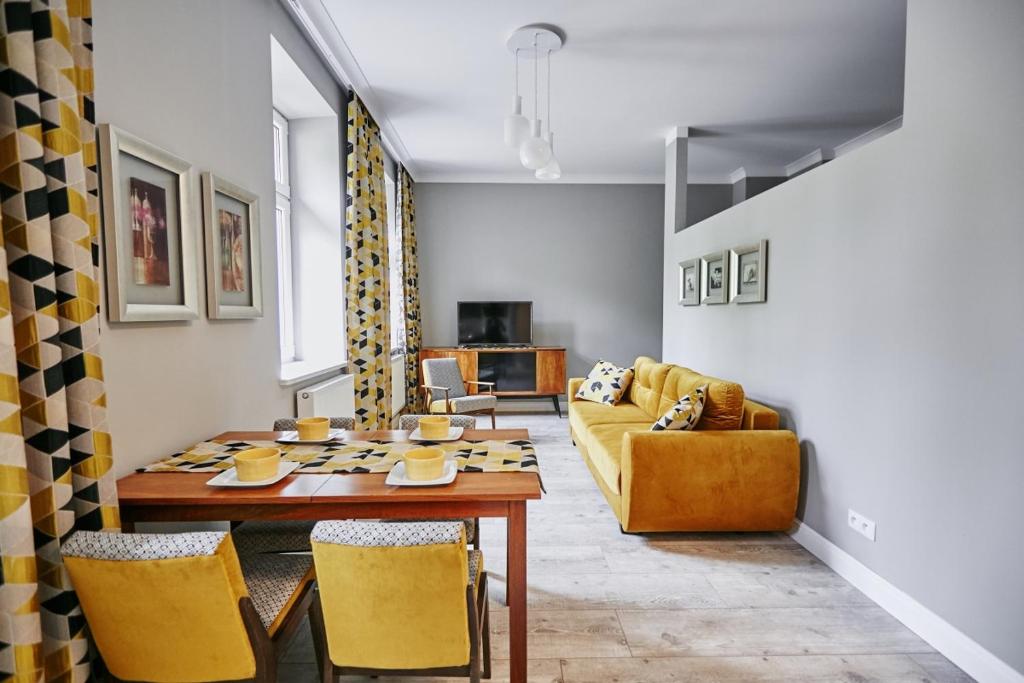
x=447 y=393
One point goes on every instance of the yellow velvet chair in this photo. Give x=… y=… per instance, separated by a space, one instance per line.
x=181 y=608
x=399 y=599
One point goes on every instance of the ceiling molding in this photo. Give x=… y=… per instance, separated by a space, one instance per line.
x=309 y=15
x=818 y=156
x=521 y=179
x=869 y=136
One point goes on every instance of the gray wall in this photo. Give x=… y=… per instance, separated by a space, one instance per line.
x=705 y=200
x=893 y=331
x=588 y=256
x=193 y=77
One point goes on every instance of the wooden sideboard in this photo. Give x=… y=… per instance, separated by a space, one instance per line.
x=518 y=371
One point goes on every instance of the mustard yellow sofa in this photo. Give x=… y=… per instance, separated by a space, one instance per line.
x=737 y=471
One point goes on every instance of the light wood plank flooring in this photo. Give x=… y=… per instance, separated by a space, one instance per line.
x=607 y=607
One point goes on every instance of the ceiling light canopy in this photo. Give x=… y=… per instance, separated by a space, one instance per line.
x=534 y=42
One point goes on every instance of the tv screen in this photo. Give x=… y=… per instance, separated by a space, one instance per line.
x=495 y=322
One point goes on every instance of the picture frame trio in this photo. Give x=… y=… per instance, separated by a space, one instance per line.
x=151 y=240
x=738 y=275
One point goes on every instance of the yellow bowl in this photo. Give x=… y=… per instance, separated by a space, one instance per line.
x=313 y=428
x=422 y=464
x=257 y=464
x=435 y=427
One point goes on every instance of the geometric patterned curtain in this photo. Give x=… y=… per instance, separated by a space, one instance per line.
x=56 y=471
x=411 y=285
x=366 y=270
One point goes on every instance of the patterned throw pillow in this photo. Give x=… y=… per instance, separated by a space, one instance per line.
x=685 y=413
x=606 y=383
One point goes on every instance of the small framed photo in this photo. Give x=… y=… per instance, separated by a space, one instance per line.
x=749 y=267
x=689 y=282
x=149 y=235
x=232 y=225
x=715 y=280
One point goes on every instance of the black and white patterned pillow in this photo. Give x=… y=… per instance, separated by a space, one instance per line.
x=606 y=383
x=685 y=413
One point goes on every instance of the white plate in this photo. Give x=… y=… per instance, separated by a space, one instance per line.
x=293 y=437
x=397 y=476
x=454 y=434
x=230 y=477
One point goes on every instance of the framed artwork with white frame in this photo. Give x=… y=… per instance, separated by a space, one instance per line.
x=749 y=268
x=715 y=277
x=689 y=282
x=149 y=235
x=231 y=220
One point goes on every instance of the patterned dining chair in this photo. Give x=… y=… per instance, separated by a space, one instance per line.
x=287 y=424
x=446 y=390
x=418 y=595
x=410 y=422
x=182 y=607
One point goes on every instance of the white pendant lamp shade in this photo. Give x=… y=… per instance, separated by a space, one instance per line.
x=551 y=170
x=535 y=152
x=517 y=126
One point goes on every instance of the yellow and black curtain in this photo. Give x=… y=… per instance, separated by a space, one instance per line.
x=411 y=286
x=56 y=471
x=366 y=270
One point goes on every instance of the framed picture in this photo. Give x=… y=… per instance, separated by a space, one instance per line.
x=749 y=267
x=149 y=235
x=689 y=282
x=231 y=219
x=715 y=280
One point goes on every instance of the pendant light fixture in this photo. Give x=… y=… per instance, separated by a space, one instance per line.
x=535 y=147
x=550 y=170
x=517 y=127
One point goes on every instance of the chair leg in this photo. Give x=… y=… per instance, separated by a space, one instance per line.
x=486 y=628
x=492 y=419
x=474 y=636
x=316 y=625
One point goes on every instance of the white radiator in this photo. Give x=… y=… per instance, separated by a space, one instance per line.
x=334 y=397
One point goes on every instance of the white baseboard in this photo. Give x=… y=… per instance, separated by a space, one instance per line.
x=933 y=629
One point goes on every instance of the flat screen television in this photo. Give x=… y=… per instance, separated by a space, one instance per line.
x=495 y=323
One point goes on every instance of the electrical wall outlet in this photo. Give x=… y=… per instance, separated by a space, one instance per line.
x=861 y=524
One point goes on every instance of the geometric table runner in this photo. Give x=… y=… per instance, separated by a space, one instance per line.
x=491 y=455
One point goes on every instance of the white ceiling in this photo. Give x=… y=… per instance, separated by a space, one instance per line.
x=760 y=83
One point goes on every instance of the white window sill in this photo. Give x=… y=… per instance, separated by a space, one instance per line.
x=301 y=371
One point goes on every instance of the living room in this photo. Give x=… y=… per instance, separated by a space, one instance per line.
x=536 y=339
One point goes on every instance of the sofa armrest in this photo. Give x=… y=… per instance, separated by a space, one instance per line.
x=574 y=386
x=713 y=480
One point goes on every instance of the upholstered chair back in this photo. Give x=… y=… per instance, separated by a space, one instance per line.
x=393 y=594
x=443 y=372
x=163 y=607
x=287 y=424
x=411 y=422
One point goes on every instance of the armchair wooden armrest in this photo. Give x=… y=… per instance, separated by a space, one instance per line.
x=490 y=385
x=428 y=397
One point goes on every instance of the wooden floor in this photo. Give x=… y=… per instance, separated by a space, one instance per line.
x=609 y=607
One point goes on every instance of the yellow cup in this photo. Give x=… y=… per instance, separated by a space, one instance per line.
x=422 y=464
x=257 y=464
x=435 y=426
x=313 y=428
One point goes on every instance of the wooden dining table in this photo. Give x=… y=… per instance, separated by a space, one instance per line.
x=185 y=497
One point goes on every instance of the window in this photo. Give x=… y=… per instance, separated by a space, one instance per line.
x=395 y=270
x=283 y=221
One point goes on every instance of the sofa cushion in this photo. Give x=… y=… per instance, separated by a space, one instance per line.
x=648 y=383
x=723 y=405
x=685 y=414
x=583 y=415
x=605 y=383
x=604 y=446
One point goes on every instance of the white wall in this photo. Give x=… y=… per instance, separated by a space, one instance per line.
x=193 y=76
x=588 y=256
x=892 y=334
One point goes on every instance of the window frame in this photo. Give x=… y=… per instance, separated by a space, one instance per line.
x=283 y=229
